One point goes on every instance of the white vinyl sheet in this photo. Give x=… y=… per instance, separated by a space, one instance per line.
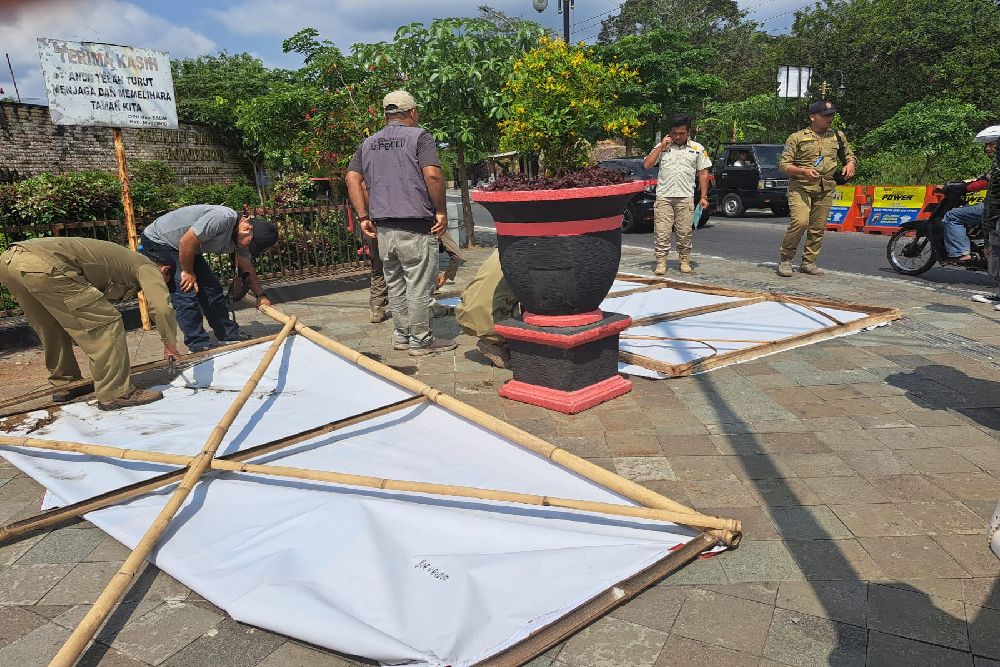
x=398 y=578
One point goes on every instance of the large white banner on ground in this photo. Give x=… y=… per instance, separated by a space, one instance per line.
x=107 y=84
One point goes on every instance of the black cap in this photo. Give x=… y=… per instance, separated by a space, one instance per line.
x=822 y=107
x=265 y=235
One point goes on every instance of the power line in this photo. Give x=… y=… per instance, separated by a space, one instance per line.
x=592 y=18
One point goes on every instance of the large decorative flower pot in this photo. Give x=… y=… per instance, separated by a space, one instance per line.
x=560 y=250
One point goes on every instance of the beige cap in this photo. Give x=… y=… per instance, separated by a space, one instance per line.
x=398 y=100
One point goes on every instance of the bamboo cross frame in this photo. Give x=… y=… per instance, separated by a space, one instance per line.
x=689 y=519
x=109 y=598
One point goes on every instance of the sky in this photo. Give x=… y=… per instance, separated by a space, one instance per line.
x=189 y=28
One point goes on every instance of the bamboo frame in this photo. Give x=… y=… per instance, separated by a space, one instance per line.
x=60 y=515
x=109 y=598
x=384 y=484
x=874 y=315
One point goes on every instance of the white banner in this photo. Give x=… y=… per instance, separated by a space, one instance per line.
x=108 y=85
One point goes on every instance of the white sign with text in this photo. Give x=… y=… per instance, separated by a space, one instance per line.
x=107 y=85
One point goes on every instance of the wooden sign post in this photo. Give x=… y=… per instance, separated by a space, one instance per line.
x=133 y=235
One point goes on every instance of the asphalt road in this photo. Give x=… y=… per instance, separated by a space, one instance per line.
x=757 y=237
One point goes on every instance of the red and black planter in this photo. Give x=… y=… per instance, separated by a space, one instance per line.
x=560 y=250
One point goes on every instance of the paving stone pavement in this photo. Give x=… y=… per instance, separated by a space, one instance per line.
x=864 y=470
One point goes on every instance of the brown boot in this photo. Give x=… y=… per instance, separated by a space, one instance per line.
x=377 y=315
x=497 y=353
x=810 y=268
x=785 y=268
x=136 y=397
x=661 y=266
x=686 y=265
x=67 y=395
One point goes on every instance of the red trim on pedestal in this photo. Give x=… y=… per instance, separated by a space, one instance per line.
x=560 y=228
x=567 y=193
x=580 y=320
x=568 y=402
x=563 y=341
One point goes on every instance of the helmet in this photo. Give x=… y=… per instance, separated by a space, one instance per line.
x=989 y=135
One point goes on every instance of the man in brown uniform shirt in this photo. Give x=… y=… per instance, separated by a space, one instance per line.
x=65 y=286
x=810 y=159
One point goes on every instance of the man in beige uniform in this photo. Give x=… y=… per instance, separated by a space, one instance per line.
x=487 y=300
x=680 y=160
x=65 y=287
x=810 y=159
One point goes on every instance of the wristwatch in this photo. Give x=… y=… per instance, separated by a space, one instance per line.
x=261 y=294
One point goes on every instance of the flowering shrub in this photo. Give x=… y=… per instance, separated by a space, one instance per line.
x=582 y=178
x=559 y=98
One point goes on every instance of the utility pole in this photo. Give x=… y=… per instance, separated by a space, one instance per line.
x=16 y=91
x=564 y=7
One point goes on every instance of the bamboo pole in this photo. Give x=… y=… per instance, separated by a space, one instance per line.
x=133 y=235
x=190 y=358
x=697 y=310
x=59 y=515
x=593 y=472
x=109 y=598
x=385 y=484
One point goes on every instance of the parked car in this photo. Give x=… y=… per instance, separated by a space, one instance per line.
x=638 y=215
x=747 y=176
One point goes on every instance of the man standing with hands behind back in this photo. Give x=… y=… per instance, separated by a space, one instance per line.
x=681 y=161
x=396 y=186
x=810 y=159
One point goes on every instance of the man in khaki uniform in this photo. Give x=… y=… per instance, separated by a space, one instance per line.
x=680 y=160
x=65 y=287
x=810 y=159
x=487 y=300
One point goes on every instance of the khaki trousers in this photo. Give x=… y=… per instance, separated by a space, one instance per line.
x=673 y=214
x=809 y=212
x=487 y=300
x=61 y=307
x=409 y=262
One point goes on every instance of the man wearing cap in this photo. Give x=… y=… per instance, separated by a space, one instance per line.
x=810 y=158
x=176 y=242
x=395 y=184
x=66 y=287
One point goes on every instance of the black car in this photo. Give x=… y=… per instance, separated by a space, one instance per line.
x=639 y=212
x=747 y=176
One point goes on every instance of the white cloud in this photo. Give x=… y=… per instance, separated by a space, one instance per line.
x=110 y=21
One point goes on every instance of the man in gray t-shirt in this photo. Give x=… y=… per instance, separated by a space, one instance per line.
x=176 y=242
x=396 y=186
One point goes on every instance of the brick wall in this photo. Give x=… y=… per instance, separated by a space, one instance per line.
x=30 y=143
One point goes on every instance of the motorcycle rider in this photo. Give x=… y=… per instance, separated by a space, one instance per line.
x=959 y=221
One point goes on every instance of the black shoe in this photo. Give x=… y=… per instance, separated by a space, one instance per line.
x=237 y=337
x=200 y=347
x=67 y=395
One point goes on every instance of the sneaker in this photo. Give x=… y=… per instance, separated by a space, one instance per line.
x=237 y=337
x=377 y=315
x=67 y=395
x=686 y=265
x=785 y=268
x=661 y=267
x=136 y=397
x=401 y=345
x=436 y=345
x=200 y=347
x=986 y=298
x=810 y=269
x=498 y=354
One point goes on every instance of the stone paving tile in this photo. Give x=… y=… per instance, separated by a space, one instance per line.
x=910 y=488
x=876 y=520
x=762 y=466
x=981 y=592
x=761 y=561
x=943 y=518
x=230 y=644
x=986 y=458
x=757 y=591
x=36 y=648
x=844 y=601
x=871 y=465
x=906 y=438
x=968 y=486
x=886 y=650
x=162 y=632
x=611 y=641
x=690 y=653
x=291 y=654
x=913 y=557
x=27 y=584
x=799 y=639
x=831 y=560
x=698 y=573
x=633 y=443
x=709 y=494
x=18 y=621
x=843 y=490
x=23 y=488
x=687 y=445
x=656 y=608
x=68 y=545
x=880 y=421
x=722 y=620
x=755 y=521
x=851 y=441
x=807 y=523
x=962 y=436
x=917 y=616
x=783 y=492
x=983 y=635
x=972 y=552
x=701 y=468
x=11 y=552
x=644 y=468
x=938 y=460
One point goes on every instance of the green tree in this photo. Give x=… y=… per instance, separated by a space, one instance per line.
x=926 y=132
x=209 y=87
x=673 y=75
x=702 y=17
x=762 y=118
x=456 y=67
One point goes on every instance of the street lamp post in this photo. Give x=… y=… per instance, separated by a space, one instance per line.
x=564 y=8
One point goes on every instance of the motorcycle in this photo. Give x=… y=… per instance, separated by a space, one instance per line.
x=918 y=245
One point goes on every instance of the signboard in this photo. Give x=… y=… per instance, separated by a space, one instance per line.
x=843 y=200
x=894 y=205
x=107 y=85
x=794 y=82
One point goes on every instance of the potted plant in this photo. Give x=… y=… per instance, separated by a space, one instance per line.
x=560 y=234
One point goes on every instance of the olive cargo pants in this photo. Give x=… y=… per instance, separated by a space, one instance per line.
x=673 y=214
x=809 y=212
x=61 y=307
